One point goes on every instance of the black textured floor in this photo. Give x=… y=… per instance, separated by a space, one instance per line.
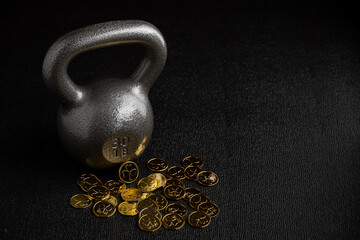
x=267 y=94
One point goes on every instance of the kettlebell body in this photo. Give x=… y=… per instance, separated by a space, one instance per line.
x=106 y=120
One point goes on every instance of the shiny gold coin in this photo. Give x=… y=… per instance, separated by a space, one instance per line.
x=104 y=209
x=98 y=193
x=191 y=172
x=192 y=161
x=131 y=194
x=90 y=182
x=113 y=200
x=157 y=164
x=128 y=208
x=199 y=219
x=114 y=186
x=128 y=172
x=146 y=203
x=176 y=172
x=207 y=178
x=146 y=195
x=176 y=208
x=160 y=200
x=173 y=221
x=191 y=192
x=175 y=182
x=149 y=223
x=80 y=201
x=174 y=192
x=83 y=176
x=210 y=208
x=197 y=199
x=150 y=210
x=147 y=184
x=160 y=178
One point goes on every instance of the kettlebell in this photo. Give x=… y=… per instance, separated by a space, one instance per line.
x=107 y=120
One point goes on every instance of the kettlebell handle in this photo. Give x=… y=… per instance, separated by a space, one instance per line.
x=101 y=35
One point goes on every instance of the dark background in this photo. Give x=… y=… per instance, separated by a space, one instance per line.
x=268 y=94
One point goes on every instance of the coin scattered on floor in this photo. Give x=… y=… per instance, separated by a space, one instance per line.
x=141 y=200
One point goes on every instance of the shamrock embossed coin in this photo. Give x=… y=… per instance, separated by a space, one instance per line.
x=98 y=193
x=210 y=208
x=192 y=161
x=176 y=172
x=128 y=172
x=160 y=178
x=147 y=184
x=127 y=208
x=103 y=209
x=199 y=219
x=174 y=192
x=149 y=223
x=173 y=221
x=207 y=178
x=157 y=164
x=80 y=201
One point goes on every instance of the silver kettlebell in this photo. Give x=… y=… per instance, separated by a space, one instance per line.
x=109 y=120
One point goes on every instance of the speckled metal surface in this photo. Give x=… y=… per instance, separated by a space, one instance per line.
x=109 y=120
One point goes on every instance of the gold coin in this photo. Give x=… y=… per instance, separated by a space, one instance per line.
x=149 y=223
x=146 y=195
x=176 y=208
x=113 y=186
x=157 y=164
x=113 y=200
x=192 y=161
x=199 y=219
x=191 y=192
x=128 y=172
x=147 y=184
x=150 y=210
x=131 y=194
x=160 y=178
x=174 y=192
x=104 y=209
x=160 y=200
x=197 y=199
x=210 y=208
x=128 y=208
x=83 y=176
x=173 y=221
x=98 y=193
x=191 y=172
x=207 y=178
x=80 y=201
x=176 y=172
x=90 y=182
x=175 y=182
x=146 y=203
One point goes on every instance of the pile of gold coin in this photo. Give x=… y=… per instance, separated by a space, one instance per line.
x=147 y=204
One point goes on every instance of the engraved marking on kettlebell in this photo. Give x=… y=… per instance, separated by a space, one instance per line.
x=119 y=148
